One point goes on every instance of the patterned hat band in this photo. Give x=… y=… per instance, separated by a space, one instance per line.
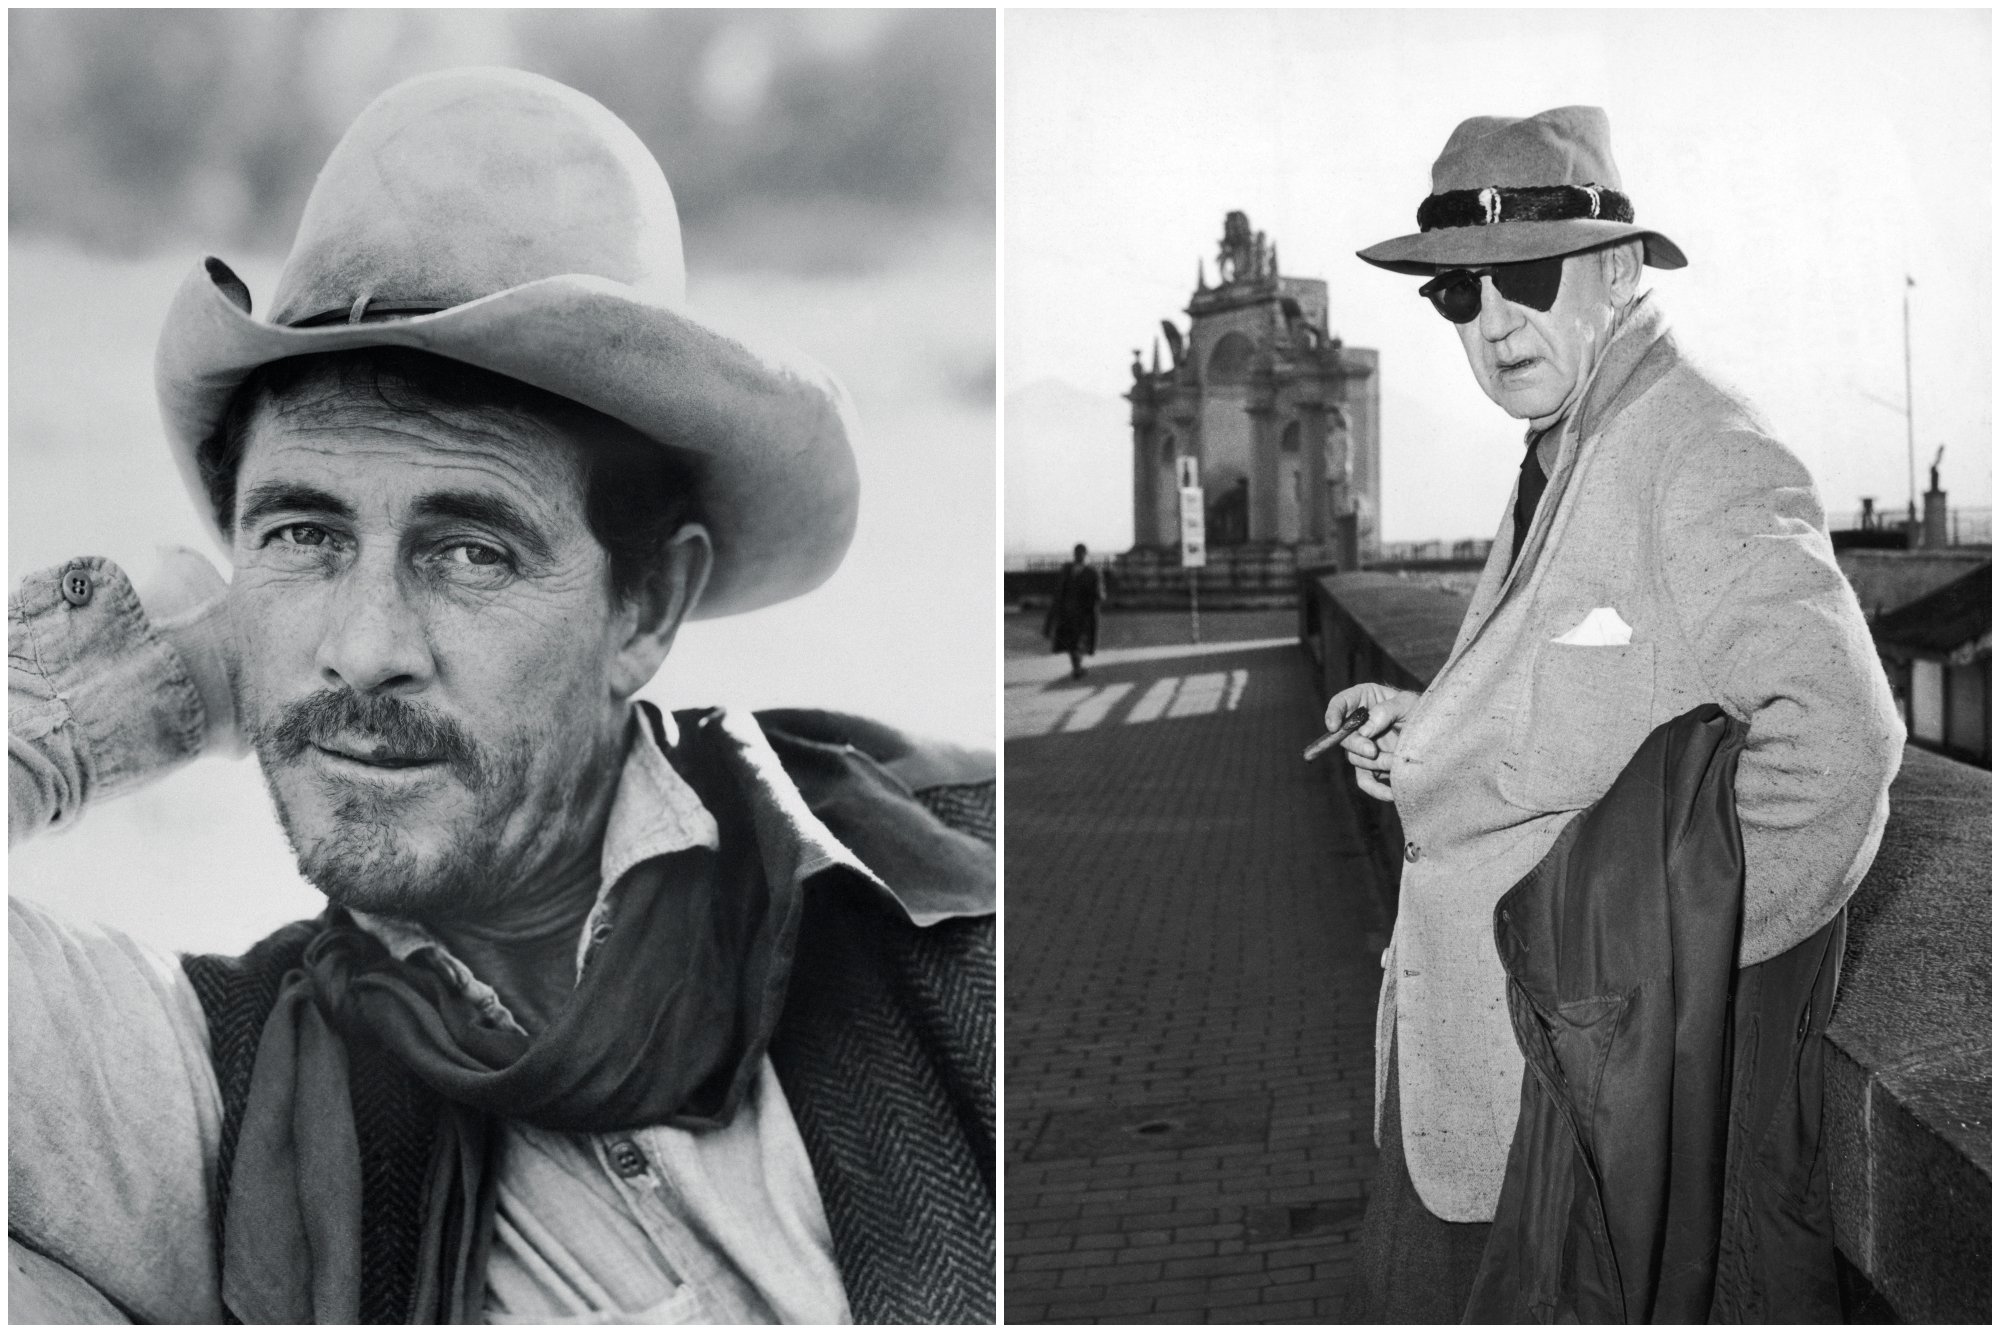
x=1538 y=203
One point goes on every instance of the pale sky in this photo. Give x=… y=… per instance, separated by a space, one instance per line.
x=1804 y=161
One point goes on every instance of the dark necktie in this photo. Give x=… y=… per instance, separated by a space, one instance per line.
x=1533 y=482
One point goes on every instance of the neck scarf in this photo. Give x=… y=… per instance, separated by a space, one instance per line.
x=666 y=1027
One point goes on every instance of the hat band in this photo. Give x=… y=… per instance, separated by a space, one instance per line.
x=1533 y=203
x=363 y=312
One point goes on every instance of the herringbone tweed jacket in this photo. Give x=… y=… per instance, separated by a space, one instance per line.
x=885 y=1050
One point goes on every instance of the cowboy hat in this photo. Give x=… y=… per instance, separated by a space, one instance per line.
x=504 y=220
x=1507 y=189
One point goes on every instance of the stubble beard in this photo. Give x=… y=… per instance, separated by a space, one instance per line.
x=387 y=853
x=362 y=851
x=367 y=849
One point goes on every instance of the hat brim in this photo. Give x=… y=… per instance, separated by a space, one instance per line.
x=1426 y=252
x=770 y=434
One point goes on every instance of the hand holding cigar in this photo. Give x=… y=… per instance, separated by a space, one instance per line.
x=1348 y=726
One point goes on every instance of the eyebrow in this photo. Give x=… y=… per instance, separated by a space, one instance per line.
x=273 y=497
x=490 y=510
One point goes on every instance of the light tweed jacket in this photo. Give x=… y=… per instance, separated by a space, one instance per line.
x=1670 y=503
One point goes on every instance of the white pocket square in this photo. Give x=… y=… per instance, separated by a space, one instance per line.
x=1602 y=628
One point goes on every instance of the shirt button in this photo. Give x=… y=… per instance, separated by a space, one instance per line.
x=77 y=587
x=1411 y=852
x=627 y=1160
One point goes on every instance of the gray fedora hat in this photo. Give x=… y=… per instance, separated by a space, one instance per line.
x=504 y=220
x=1507 y=189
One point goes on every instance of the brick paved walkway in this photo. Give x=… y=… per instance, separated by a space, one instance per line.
x=1192 y=936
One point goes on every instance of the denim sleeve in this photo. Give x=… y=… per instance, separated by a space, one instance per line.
x=97 y=702
x=114 y=1116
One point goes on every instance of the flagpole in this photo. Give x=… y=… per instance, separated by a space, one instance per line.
x=1909 y=418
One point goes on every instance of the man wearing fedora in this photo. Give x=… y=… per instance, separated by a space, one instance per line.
x=1661 y=550
x=613 y=1016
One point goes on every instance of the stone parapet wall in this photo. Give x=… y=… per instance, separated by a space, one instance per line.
x=1909 y=1097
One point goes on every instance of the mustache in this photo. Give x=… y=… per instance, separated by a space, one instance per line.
x=387 y=725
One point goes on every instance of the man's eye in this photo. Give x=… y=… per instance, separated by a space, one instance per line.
x=475 y=553
x=301 y=534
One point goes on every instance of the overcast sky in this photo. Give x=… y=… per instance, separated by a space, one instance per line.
x=1805 y=161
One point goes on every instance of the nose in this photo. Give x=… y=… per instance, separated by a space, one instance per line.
x=375 y=639
x=1498 y=316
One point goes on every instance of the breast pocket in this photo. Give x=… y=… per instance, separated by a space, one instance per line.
x=1587 y=710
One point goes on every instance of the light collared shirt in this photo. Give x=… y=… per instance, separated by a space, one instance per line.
x=115 y=1113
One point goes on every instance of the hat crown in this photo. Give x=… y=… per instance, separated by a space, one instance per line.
x=462 y=183
x=1569 y=145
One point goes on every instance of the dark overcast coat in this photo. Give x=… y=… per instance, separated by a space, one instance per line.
x=1665 y=1165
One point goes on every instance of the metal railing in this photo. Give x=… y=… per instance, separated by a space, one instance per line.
x=1968 y=525
x=1468 y=548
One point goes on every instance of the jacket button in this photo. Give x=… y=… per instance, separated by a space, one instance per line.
x=1411 y=852
x=77 y=587
x=627 y=1160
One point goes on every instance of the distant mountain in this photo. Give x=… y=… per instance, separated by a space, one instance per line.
x=1069 y=469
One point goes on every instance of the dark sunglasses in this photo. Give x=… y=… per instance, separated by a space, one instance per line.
x=1532 y=283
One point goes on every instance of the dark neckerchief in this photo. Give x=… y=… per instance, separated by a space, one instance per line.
x=666 y=1027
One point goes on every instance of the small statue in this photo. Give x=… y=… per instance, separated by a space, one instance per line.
x=1238 y=257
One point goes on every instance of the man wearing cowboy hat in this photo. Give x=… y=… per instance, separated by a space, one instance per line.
x=1661 y=550
x=613 y=1015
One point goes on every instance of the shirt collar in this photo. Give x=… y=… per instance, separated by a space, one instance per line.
x=655 y=813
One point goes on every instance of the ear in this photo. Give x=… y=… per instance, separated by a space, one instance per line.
x=1622 y=267
x=654 y=613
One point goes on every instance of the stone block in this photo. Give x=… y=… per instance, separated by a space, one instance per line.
x=1909 y=1077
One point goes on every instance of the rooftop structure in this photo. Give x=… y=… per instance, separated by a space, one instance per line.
x=1280 y=418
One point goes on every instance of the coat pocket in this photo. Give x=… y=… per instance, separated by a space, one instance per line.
x=1587 y=710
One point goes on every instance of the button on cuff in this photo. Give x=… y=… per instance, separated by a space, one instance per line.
x=77 y=587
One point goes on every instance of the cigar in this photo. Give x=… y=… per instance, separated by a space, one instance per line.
x=1332 y=738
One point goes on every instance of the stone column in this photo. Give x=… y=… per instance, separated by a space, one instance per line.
x=1937 y=520
x=1315 y=522
x=1262 y=410
x=1145 y=479
x=1185 y=415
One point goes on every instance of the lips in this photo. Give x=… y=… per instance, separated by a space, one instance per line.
x=379 y=756
x=1515 y=367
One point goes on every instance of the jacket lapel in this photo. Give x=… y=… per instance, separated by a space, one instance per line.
x=1638 y=354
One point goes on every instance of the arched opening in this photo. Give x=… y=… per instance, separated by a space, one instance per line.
x=1229 y=361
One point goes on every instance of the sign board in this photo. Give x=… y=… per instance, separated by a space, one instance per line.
x=1194 y=538
x=1189 y=472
